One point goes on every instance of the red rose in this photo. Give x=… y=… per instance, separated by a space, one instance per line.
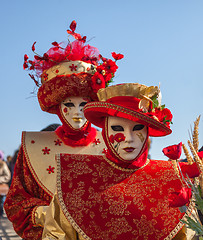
x=179 y=199
x=173 y=152
x=117 y=56
x=119 y=137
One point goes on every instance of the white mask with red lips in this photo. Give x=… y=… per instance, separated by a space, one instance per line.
x=126 y=137
x=72 y=111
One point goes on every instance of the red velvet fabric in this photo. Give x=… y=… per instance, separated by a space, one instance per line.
x=74 y=137
x=102 y=201
x=23 y=196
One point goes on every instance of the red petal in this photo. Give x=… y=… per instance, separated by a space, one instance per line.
x=200 y=154
x=73 y=25
x=173 y=152
x=25 y=57
x=33 y=46
x=179 y=199
x=55 y=44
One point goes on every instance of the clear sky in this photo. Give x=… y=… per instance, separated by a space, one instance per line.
x=162 y=41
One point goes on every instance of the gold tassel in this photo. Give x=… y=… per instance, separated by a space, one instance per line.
x=195 y=135
x=187 y=154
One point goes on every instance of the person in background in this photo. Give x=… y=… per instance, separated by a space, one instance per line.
x=5 y=176
x=69 y=76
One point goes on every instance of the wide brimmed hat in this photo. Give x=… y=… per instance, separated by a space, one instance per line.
x=132 y=101
x=69 y=69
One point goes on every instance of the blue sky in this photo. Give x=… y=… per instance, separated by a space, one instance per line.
x=162 y=41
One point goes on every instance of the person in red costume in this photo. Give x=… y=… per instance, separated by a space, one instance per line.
x=122 y=195
x=66 y=78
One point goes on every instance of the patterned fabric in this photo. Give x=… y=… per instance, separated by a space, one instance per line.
x=103 y=201
x=24 y=195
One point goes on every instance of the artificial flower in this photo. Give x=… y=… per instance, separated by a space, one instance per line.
x=181 y=198
x=117 y=56
x=110 y=66
x=173 y=152
x=98 y=81
x=164 y=115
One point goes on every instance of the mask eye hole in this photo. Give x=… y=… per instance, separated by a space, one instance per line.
x=138 y=127
x=82 y=104
x=117 y=128
x=69 y=104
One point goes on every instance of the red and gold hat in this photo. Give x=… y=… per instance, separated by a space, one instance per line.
x=132 y=101
x=70 y=70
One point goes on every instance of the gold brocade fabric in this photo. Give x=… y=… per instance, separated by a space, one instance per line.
x=104 y=202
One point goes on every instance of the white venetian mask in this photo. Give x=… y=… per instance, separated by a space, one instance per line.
x=72 y=111
x=127 y=137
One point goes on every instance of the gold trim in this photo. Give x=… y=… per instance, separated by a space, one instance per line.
x=62 y=204
x=124 y=169
x=132 y=113
x=128 y=89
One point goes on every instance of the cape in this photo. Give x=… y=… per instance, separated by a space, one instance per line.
x=40 y=149
x=104 y=201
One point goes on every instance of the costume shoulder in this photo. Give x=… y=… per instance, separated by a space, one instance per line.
x=40 y=149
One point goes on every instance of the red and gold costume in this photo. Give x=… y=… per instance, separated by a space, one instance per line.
x=64 y=73
x=34 y=179
x=108 y=197
x=103 y=201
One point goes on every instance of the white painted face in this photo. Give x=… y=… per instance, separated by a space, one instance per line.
x=127 y=137
x=72 y=110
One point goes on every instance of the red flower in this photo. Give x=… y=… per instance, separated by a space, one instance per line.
x=98 y=81
x=50 y=169
x=117 y=56
x=110 y=66
x=164 y=115
x=173 y=152
x=179 y=199
x=58 y=142
x=96 y=141
x=119 y=137
x=104 y=151
x=111 y=138
x=200 y=154
x=73 y=68
x=46 y=150
x=108 y=77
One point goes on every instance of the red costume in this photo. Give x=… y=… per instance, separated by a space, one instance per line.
x=114 y=197
x=65 y=73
